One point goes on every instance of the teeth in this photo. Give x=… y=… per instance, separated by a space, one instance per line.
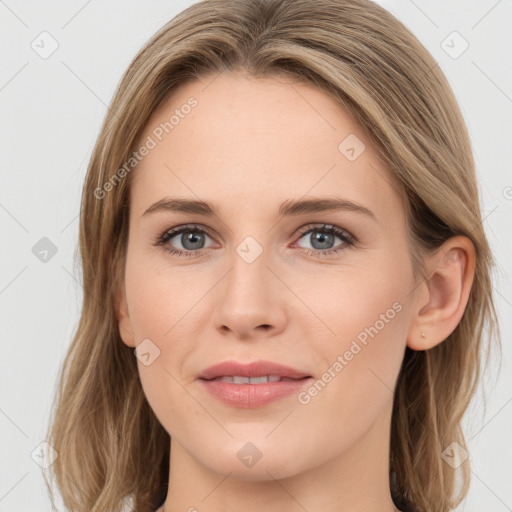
x=251 y=380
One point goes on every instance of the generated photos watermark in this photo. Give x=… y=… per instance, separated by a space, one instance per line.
x=151 y=142
x=342 y=360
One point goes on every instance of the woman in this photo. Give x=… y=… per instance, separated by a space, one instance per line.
x=280 y=221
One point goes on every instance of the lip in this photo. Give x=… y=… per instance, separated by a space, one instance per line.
x=254 y=369
x=250 y=396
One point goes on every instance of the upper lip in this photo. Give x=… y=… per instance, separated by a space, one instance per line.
x=254 y=369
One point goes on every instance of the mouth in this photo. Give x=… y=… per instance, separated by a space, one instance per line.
x=240 y=379
x=257 y=371
x=250 y=393
x=252 y=385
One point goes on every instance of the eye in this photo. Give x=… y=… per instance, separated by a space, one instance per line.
x=322 y=237
x=192 y=239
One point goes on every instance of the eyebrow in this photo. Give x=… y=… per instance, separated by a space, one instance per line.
x=290 y=207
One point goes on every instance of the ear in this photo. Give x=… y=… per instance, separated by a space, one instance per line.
x=123 y=317
x=442 y=296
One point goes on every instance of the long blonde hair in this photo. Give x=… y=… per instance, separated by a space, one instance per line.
x=111 y=447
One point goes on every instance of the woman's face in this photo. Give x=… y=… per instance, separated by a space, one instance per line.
x=264 y=278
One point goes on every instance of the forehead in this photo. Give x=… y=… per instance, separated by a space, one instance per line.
x=256 y=142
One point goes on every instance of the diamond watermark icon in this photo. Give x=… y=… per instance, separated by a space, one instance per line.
x=454 y=455
x=249 y=249
x=44 y=455
x=44 y=249
x=146 y=352
x=249 y=454
x=351 y=147
x=44 y=45
x=454 y=45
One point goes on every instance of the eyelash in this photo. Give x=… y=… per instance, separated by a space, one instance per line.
x=347 y=238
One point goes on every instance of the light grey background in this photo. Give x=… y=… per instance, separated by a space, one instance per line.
x=51 y=110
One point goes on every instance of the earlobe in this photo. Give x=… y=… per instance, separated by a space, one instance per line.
x=123 y=318
x=443 y=295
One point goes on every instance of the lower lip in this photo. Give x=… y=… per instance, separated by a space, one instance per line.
x=250 y=396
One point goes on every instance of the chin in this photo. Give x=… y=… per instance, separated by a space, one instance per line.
x=246 y=462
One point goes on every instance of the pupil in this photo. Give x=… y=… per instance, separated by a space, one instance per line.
x=321 y=238
x=191 y=238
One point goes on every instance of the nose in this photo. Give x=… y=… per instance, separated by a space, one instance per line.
x=250 y=299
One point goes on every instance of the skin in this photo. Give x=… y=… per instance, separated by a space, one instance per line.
x=249 y=145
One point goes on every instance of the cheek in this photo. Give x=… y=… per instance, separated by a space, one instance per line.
x=358 y=365
x=364 y=312
x=161 y=306
x=158 y=297
x=352 y=298
x=159 y=300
